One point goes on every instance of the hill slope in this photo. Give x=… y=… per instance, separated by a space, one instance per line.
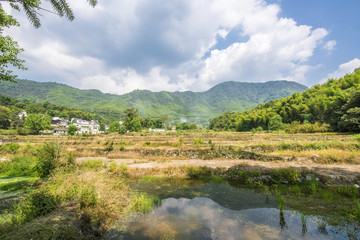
x=336 y=102
x=193 y=106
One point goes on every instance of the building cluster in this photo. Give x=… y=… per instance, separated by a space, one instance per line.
x=61 y=126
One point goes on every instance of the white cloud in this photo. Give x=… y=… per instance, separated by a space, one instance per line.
x=160 y=45
x=330 y=45
x=344 y=69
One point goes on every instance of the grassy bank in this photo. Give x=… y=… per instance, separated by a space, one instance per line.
x=72 y=201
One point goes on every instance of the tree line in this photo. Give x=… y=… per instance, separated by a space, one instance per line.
x=334 y=106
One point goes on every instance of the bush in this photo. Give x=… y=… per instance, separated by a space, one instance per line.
x=88 y=197
x=38 y=203
x=198 y=141
x=95 y=165
x=199 y=172
x=20 y=166
x=48 y=159
x=296 y=127
x=285 y=174
x=9 y=148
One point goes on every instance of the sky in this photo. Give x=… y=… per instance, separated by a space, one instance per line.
x=181 y=45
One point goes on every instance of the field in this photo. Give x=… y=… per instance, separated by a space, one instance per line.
x=318 y=152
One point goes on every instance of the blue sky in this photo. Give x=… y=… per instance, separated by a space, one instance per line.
x=183 y=45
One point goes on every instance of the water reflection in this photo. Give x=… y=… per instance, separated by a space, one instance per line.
x=218 y=211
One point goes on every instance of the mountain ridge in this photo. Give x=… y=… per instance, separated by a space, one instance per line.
x=193 y=106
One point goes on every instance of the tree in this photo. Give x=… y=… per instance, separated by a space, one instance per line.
x=72 y=130
x=48 y=159
x=114 y=126
x=275 y=123
x=135 y=125
x=4 y=117
x=9 y=49
x=130 y=115
x=37 y=122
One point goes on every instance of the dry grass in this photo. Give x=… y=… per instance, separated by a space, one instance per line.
x=325 y=148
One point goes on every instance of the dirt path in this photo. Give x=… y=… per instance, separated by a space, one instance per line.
x=336 y=169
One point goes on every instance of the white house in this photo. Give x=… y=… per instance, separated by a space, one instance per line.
x=87 y=127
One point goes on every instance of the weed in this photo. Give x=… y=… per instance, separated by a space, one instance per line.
x=168 y=237
x=266 y=188
x=357 y=137
x=198 y=141
x=110 y=146
x=321 y=226
x=303 y=223
x=123 y=168
x=9 y=148
x=289 y=175
x=95 y=165
x=327 y=196
x=280 y=199
x=122 y=146
x=38 y=203
x=88 y=196
x=297 y=190
x=143 y=203
x=199 y=172
x=313 y=187
x=112 y=167
x=70 y=159
x=18 y=166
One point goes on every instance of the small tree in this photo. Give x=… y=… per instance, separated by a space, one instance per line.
x=102 y=127
x=37 y=122
x=135 y=125
x=72 y=130
x=276 y=123
x=114 y=126
x=48 y=158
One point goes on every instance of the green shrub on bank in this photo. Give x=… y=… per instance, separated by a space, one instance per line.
x=88 y=197
x=18 y=166
x=38 y=203
x=289 y=175
x=48 y=159
x=9 y=148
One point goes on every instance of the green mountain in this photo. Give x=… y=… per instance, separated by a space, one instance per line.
x=336 y=102
x=193 y=106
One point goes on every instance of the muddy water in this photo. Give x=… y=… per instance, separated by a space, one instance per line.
x=218 y=210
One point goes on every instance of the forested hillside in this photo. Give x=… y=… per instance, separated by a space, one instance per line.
x=336 y=102
x=197 y=107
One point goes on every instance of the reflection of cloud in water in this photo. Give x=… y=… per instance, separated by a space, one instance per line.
x=202 y=218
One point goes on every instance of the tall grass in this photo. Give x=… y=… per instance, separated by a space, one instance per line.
x=143 y=203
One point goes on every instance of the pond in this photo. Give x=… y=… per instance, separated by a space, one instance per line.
x=198 y=209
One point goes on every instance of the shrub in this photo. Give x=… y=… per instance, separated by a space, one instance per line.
x=9 y=148
x=70 y=157
x=88 y=197
x=38 y=203
x=21 y=166
x=198 y=172
x=198 y=141
x=296 y=127
x=48 y=159
x=143 y=203
x=285 y=174
x=95 y=165
x=122 y=146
